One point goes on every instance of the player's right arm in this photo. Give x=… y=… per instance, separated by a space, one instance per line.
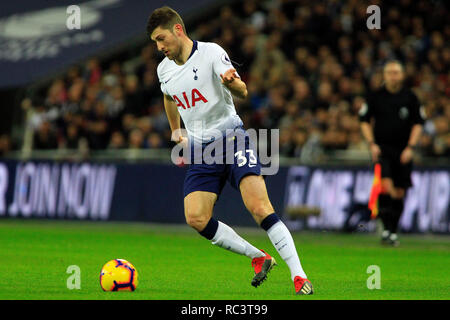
x=173 y=116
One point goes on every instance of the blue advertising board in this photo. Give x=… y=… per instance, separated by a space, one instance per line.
x=154 y=193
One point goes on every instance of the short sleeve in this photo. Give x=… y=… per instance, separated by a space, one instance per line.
x=221 y=62
x=161 y=81
x=417 y=111
x=365 y=113
x=163 y=89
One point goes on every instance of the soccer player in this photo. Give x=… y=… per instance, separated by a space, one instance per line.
x=198 y=81
x=398 y=120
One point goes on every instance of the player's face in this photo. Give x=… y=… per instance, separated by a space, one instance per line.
x=167 y=42
x=393 y=74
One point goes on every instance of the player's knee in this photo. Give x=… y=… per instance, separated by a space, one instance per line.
x=398 y=193
x=260 y=210
x=386 y=187
x=198 y=222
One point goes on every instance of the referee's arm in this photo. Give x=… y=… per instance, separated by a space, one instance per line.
x=407 y=153
x=418 y=116
x=416 y=131
x=365 y=116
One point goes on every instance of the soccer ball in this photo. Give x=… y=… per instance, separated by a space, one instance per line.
x=118 y=275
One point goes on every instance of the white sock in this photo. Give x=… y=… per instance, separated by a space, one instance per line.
x=282 y=241
x=228 y=239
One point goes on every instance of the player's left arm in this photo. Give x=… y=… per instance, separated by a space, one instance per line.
x=233 y=82
x=223 y=68
x=418 y=118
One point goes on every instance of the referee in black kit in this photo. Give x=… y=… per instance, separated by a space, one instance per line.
x=393 y=135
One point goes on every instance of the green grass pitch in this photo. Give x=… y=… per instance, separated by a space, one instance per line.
x=174 y=262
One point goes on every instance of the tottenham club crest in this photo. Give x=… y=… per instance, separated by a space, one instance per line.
x=195 y=73
x=403 y=113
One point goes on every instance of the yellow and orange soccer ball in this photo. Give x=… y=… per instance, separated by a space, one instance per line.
x=118 y=275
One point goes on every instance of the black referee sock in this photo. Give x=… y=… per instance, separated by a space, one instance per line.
x=385 y=210
x=397 y=209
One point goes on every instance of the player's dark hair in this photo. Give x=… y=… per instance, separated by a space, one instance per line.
x=164 y=17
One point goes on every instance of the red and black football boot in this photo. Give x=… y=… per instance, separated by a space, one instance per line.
x=262 y=266
x=303 y=286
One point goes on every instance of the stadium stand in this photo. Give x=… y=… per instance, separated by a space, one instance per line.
x=308 y=66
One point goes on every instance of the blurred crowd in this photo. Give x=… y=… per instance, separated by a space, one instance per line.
x=308 y=66
x=5 y=144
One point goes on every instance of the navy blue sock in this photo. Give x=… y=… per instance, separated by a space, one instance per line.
x=269 y=221
x=210 y=230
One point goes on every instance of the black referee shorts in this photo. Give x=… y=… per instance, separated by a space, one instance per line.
x=391 y=167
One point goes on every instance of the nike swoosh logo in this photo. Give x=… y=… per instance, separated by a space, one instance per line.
x=276 y=243
x=167 y=81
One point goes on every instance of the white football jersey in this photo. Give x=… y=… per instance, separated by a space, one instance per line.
x=205 y=105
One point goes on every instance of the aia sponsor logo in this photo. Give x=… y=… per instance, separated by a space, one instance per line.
x=195 y=97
